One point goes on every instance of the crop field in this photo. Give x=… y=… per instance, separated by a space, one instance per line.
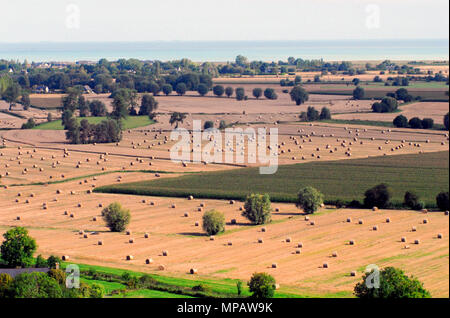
x=129 y=123
x=426 y=174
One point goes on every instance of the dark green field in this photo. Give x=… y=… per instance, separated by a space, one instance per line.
x=346 y=180
x=425 y=94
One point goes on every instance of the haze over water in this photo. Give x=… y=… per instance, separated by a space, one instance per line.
x=331 y=50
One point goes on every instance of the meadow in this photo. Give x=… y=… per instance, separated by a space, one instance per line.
x=129 y=123
x=345 y=180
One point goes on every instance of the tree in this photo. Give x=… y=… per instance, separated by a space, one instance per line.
x=401 y=94
x=120 y=108
x=181 y=89
x=177 y=118
x=262 y=285
x=400 y=121
x=229 y=91
x=358 y=93
x=311 y=114
x=154 y=88
x=218 y=90
x=29 y=124
x=52 y=261
x=208 y=124
x=378 y=196
x=6 y=282
x=49 y=117
x=11 y=94
x=240 y=93
x=415 y=122
x=442 y=201
x=297 y=80
x=18 y=248
x=222 y=124
x=325 y=114
x=167 y=89
x=36 y=285
x=25 y=101
x=299 y=95
x=257 y=92
x=116 y=217
x=356 y=81
x=309 y=199
x=427 y=123
x=412 y=201
x=40 y=262
x=213 y=222
x=446 y=121
x=258 y=209
x=202 y=89
x=269 y=93
x=387 y=105
x=97 y=108
x=393 y=284
x=241 y=61
x=148 y=105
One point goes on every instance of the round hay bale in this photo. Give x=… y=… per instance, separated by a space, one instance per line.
x=300 y=245
x=288 y=240
x=360 y=221
x=233 y=221
x=85 y=235
x=186 y=215
x=425 y=221
x=274 y=265
x=65 y=257
x=306 y=218
x=131 y=241
x=197 y=224
x=277 y=210
x=298 y=251
x=202 y=205
x=146 y=235
x=388 y=220
x=439 y=236
x=18 y=218
x=334 y=254
x=191 y=198
x=446 y=213
x=232 y=202
x=100 y=242
x=130 y=257
x=403 y=239
x=173 y=206
x=94 y=219
x=374 y=208
x=349 y=220
x=353 y=273
x=312 y=223
x=417 y=242
x=413 y=229
x=375 y=228
x=128 y=232
x=230 y=243
x=325 y=265
x=199 y=209
x=212 y=238
x=165 y=253
x=263 y=229
x=148 y=261
x=260 y=241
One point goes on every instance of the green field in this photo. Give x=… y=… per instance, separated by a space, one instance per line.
x=129 y=123
x=346 y=180
x=217 y=287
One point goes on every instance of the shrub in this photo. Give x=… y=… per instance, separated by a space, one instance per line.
x=258 y=208
x=213 y=222
x=401 y=94
x=442 y=201
x=40 y=262
x=257 y=92
x=400 y=121
x=262 y=285
x=393 y=284
x=58 y=274
x=238 y=287
x=208 y=124
x=18 y=248
x=6 y=282
x=201 y=288
x=218 y=90
x=269 y=93
x=378 y=196
x=116 y=217
x=358 y=93
x=415 y=122
x=96 y=291
x=52 y=261
x=411 y=200
x=309 y=199
x=36 y=285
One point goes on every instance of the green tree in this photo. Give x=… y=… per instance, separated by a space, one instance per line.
x=6 y=282
x=218 y=90
x=11 y=94
x=258 y=209
x=53 y=260
x=36 y=285
x=309 y=199
x=358 y=93
x=177 y=118
x=116 y=217
x=40 y=262
x=325 y=114
x=229 y=91
x=415 y=122
x=393 y=284
x=181 y=89
x=202 y=89
x=167 y=89
x=148 y=105
x=269 y=93
x=257 y=92
x=97 y=108
x=442 y=201
x=427 y=123
x=120 y=107
x=378 y=196
x=412 y=201
x=25 y=101
x=400 y=121
x=240 y=93
x=213 y=222
x=299 y=95
x=262 y=285
x=446 y=121
x=18 y=248
x=208 y=124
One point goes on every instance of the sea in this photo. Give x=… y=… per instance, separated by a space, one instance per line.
x=224 y=51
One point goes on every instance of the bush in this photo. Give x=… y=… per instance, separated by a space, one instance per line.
x=258 y=208
x=52 y=261
x=442 y=201
x=401 y=94
x=213 y=222
x=269 y=93
x=309 y=199
x=18 y=248
x=208 y=124
x=415 y=122
x=36 y=285
x=427 y=123
x=116 y=217
x=40 y=262
x=58 y=274
x=262 y=285
x=6 y=282
x=411 y=200
x=378 y=196
x=400 y=121
x=358 y=93
x=201 y=288
x=393 y=284
x=218 y=90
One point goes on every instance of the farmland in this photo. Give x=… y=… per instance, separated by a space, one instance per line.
x=129 y=123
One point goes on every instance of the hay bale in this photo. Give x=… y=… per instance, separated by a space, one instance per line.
x=233 y=221
x=148 y=261
x=146 y=235
x=274 y=265
x=334 y=254
x=212 y=238
x=425 y=221
x=18 y=218
x=312 y=223
x=197 y=224
x=202 y=205
x=232 y=202
x=260 y=241
x=173 y=206
x=360 y=221
x=165 y=253
x=306 y=218
x=72 y=215
x=85 y=235
x=403 y=239
x=230 y=243
x=446 y=213
x=439 y=236
x=298 y=251
x=300 y=245
x=375 y=228
x=65 y=257
x=349 y=220
x=353 y=273
x=417 y=242
x=94 y=219
x=100 y=242
x=288 y=240
x=374 y=208
x=130 y=257
x=413 y=229
x=263 y=229
x=199 y=209
x=325 y=265
x=190 y=198
x=161 y=267
x=388 y=220
x=131 y=240
x=128 y=232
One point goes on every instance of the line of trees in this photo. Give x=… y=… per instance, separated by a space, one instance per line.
x=415 y=122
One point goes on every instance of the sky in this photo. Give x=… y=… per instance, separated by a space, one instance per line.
x=225 y=20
